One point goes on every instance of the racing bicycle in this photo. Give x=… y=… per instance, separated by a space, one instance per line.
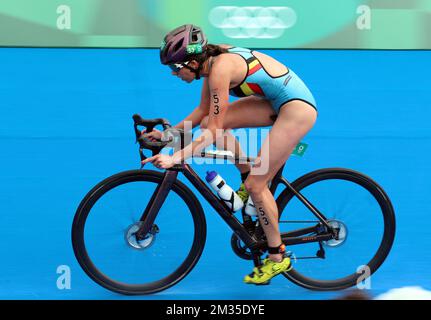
x=143 y=231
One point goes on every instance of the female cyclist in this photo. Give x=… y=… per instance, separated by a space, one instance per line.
x=271 y=95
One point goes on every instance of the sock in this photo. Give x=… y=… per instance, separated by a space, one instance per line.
x=275 y=250
x=244 y=176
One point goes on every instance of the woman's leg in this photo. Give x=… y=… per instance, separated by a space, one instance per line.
x=247 y=112
x=294 y=120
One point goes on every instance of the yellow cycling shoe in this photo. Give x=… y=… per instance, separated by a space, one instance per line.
x=243 y=193
x=261 y=275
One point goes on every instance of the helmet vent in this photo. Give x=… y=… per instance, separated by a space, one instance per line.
x=178 y=45
x=166 y=48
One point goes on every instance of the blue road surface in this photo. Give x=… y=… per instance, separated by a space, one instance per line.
x=65 y=125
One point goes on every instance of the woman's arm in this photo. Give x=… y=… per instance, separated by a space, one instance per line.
x=199 y=112
x=218 y=88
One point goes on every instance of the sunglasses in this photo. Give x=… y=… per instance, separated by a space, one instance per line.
x=176 y=67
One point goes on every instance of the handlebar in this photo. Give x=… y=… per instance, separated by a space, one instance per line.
x=154 y=146
x=150 y=124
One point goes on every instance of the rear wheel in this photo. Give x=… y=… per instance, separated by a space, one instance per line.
x=359 y=208
x=104 y=242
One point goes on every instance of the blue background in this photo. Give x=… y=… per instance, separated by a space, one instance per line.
x=66 y=124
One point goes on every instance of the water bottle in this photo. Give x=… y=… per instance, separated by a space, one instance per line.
x=250 y=209
x=226 y=193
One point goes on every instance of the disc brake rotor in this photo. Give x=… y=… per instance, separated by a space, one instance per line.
x=342 y=234
x=150 y=237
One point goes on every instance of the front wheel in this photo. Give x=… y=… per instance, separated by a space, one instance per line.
x=361 y=211
x=104 y=242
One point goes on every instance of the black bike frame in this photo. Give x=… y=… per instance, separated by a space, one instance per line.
x=255 y=245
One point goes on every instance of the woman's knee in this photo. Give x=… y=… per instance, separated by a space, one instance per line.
x=254 y=186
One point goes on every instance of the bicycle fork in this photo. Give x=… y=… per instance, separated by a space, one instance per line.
x=156 y=202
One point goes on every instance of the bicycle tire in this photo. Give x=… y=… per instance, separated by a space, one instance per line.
x=109 y=183
x=389 y=225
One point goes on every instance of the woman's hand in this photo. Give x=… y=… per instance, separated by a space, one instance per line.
x=161 y=161
x=155 y=135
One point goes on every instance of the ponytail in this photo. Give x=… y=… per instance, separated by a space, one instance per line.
x=212 y=50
